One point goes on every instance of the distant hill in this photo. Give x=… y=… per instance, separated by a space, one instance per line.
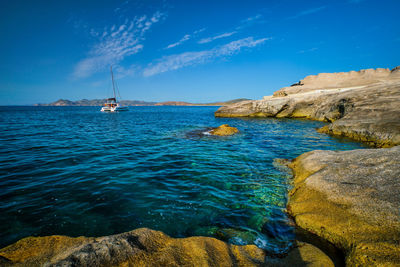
x=95 y=102
x=174 y=103
x=230 y=102
x=100 y=102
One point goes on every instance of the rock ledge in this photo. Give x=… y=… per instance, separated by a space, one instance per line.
x=352 y=199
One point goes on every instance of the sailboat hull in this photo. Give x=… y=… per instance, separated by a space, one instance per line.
x=119 y=108
x=114 y=109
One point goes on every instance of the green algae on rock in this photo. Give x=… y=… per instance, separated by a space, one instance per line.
x=224 y=130
x=352 y=199
x=145 y=247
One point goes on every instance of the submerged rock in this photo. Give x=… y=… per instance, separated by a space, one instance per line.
x=224 y=130
x=364 y=109
x=236 y=236
x=352 y=199
x=145 y=247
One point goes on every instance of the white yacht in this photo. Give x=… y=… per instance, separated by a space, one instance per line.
x=112 y=104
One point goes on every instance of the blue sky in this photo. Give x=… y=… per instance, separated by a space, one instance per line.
x=196 y=51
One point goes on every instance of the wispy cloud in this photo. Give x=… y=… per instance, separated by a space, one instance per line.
x=115 y=43
x=121 y=72
x=182 y=40
x=308 y=50
x=121 y=6
x=253 y=18
x=249 y=21
x=307 y=12
x=210 y=39
x=185 y=38
x=242 y=24
x=174 y=62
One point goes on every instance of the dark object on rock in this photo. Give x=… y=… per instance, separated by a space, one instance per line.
x=395 y=69
x=297 y=84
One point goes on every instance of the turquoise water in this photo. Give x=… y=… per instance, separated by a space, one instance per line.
x=76 y=171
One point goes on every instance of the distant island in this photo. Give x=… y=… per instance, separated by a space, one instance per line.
x=100 y=102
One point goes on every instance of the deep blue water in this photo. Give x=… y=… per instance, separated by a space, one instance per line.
x=76 y=171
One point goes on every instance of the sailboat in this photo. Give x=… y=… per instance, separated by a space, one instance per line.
x=112 y=104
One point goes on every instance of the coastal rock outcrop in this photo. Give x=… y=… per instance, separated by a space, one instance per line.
x=145 y=247
x=352 y=199
x=368 y=112
x=224 y=130
x=339 y=80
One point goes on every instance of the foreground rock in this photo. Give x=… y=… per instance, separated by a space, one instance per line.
x=224 y=130
x=352 y=199
x=368 y=111
x=145 y=247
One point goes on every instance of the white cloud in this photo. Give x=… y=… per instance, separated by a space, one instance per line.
x=185 y=38
x=115 y=44
x=199 y=31
x=249 y=21
x=182 y=40
x=307 y=12
x=174 y=62
x=210 y=39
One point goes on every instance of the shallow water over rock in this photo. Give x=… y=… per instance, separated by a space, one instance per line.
x=76 y=171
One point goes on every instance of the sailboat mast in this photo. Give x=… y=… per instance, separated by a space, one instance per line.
x=113 y=83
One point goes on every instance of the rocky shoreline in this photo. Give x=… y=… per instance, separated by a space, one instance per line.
x=368 y=112
x=352 y=199
x=349 y=198
x=145 y=247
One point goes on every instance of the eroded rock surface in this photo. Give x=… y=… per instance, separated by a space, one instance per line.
x=145 y=247
x=339 y=80
x=352 y=199
x=368 y=112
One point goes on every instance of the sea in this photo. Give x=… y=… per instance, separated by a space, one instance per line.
x=77 y=171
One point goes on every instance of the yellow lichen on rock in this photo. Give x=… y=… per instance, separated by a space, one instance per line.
x=362 y=136
x=36 y=250
x=224 y=130
x=351 y=199
x=145 y=247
